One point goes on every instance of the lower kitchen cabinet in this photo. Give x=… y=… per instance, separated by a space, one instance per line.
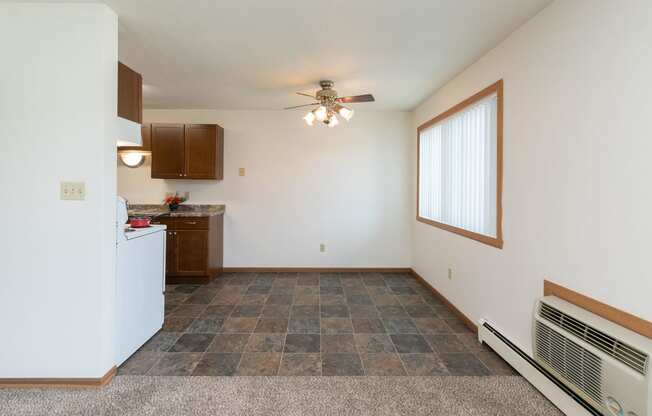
x=170 y=252
x=194 y=252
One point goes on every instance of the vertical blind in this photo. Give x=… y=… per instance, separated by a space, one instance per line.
x=457 y=169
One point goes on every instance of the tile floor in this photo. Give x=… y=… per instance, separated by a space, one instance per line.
x=349 y=324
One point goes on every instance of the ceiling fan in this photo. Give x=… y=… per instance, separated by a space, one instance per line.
x=329 y=104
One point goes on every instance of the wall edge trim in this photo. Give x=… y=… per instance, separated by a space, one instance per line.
x=465 y=319
x=315 y=269
x=68 y=383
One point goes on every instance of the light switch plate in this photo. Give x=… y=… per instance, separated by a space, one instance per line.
x=241 y=171
x=73 y=191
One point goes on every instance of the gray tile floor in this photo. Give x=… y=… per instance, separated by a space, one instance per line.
x=311 y=324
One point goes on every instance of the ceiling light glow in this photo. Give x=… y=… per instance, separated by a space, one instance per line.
x=346 y=113
x=309 y=118
x=321 y=113
x=132 y=159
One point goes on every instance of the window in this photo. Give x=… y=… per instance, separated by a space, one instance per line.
x=460 y=168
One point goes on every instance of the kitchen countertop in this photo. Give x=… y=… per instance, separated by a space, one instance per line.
x=150 y=210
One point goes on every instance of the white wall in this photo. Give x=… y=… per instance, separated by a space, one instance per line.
x=345 y=187
x=58 y=81
x=578 y=142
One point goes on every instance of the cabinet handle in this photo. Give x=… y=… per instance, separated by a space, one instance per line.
x=191 y=222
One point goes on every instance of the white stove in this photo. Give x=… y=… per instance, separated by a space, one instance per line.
x=140 y=284
x=130 y=233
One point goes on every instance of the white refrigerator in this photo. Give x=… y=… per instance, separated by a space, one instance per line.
x=140 y=285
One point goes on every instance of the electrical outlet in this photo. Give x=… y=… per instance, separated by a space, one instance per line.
x=73 y=191
x=241 y=171
x=186 y=195
x=322 y=247
x=450 y=274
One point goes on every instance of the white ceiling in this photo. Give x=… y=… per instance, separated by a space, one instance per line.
x=254 y=54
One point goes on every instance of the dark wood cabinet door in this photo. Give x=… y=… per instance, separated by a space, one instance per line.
x=201 y=149
x=192 y=251
x=170 y=253
x=130 y=94
x=219 y=154
x=168 y=151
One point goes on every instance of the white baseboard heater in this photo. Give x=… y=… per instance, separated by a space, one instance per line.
x=582 y=363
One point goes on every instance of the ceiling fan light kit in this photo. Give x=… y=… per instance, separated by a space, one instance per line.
x=310 y=118
x=330 y=105
x=321 y=113
x=346 y=113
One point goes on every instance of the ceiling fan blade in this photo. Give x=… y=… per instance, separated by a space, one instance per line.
x=365 y=98
x=306 y=95
x=299 y=106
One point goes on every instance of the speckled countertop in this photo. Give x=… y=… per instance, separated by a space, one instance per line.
x=147 y=210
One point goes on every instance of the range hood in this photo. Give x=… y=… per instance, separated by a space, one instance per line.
x=128 y=133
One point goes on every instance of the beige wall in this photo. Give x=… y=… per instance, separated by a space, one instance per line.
x=345 y=187
x=577 y=197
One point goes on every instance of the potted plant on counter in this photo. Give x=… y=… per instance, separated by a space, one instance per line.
x=173 y=201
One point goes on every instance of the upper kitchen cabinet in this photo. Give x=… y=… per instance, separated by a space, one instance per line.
x=130 y=94
x=204 y=151
x=168 y=151
x=187 y=151
x=130 y=111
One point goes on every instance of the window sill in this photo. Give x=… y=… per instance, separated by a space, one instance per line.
x=491 y=241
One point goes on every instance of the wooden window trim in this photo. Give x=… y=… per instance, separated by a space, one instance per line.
x=496 y=88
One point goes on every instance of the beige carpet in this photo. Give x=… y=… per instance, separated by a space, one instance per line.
x=167 y=396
